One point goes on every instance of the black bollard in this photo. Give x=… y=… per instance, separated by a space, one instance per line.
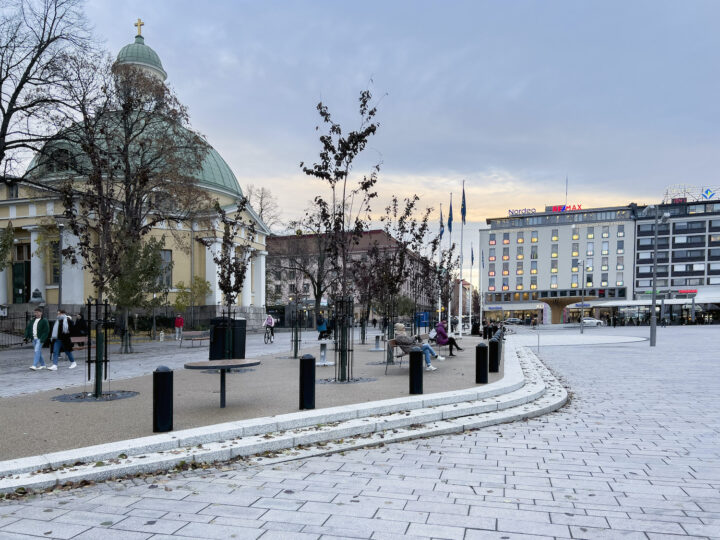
x=162 y=399
x=494 y=355
x=416 y=370
x=485 y=332
x=481 y=364
x=307 y=381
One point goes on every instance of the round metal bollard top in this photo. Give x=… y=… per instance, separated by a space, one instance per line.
x=162 y=369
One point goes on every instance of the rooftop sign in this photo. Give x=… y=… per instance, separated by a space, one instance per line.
x=564 y=208
x=521 y=211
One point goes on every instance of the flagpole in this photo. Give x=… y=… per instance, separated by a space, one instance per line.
x=449 y=319
x=481 y=270
x=461 y=291
x=439 y=310
x=472 y=262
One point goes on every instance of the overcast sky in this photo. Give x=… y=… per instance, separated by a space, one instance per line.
x=619 y=96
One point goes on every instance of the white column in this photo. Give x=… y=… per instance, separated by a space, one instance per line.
x=37 y=266
x=211 y=275
x=73 y=278
x=259 y=278
x=246 y=291
x=3 y=287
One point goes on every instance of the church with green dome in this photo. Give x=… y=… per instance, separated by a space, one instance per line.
x=38 y=276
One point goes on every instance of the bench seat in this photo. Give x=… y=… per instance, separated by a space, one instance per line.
x=195 y=335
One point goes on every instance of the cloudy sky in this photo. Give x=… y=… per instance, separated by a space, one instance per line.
x=619 y=96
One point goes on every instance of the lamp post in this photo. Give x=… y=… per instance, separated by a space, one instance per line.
x=653 y=317
x=582 y=296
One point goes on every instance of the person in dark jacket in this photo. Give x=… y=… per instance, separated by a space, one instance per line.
x=79 y=327
x=406 y=343
x=37 y=331
x=60 y=340
x=443 y=339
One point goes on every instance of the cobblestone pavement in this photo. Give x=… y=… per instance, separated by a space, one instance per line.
x=635 y=455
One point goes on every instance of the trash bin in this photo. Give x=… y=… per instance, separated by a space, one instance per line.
x=227 y=338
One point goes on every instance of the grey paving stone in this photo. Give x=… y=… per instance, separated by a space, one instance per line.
x=436 y=531
x=34 y=527
x=474 y=534
x=100 y=533
x=221 y=532
x=149 y=525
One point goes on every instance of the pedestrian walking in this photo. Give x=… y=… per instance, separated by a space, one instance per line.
x=374 y=321
x=60 y=340
x=79 y=327
x=37 y=331
x=179 y=324
x=322 y=327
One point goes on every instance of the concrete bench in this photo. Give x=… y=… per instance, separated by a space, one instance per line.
x=195 y=335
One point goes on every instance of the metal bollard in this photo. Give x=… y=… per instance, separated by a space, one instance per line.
x=485 y=332
x=162 y=399
x=416 y=370
x=494 y=355
x=307 y=381
x=377 y=342
x=481 y=364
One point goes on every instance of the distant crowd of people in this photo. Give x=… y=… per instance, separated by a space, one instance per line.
x=64 y=328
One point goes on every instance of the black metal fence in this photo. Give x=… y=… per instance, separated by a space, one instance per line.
x=12 y=329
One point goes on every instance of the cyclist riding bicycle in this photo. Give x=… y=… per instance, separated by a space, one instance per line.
x=269 y=325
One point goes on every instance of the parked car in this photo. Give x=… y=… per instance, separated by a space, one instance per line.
x=513 y=320
x=591 y=321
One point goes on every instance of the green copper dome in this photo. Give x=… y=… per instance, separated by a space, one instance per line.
x=141 y=55
x=217 y=174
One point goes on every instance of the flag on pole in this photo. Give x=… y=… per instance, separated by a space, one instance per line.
x=450 y=215
x=482 y=258
x=472 y=257
x=463 y=208
x=442 y=225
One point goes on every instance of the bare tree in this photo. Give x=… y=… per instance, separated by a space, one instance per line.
x=36 y=37
x=265 y=204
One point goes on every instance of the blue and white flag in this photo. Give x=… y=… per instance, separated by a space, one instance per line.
x=450 y=215
x=463 y=208
x=472 y=257
x=482 y=258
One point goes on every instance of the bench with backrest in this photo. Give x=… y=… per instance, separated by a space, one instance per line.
x=195 y=335
x=398 y=352
x=79 y=342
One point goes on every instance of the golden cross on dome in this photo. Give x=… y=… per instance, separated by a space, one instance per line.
x=139 y=25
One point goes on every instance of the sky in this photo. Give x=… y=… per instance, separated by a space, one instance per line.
x=619 y=97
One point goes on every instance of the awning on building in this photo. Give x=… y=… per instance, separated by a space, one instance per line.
x=526 y=306
x=643 y=302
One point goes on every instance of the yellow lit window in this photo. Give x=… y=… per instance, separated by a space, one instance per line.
x=574 y=285
x=506 y=241
x=591 y=235
x=588 y=284
x=533 y=286
x=604 y=283
x=574 y=268
x=575 y=236
x=533 y=239
x=604 y=267
x=491 y=258
x=605 y=235
x=491 y=273
x=519 y=287
x=506 y=257
x=553 y=270
x=553 y=285
x=492 y=242
x=491 y=288
x=604 y=252
x=519 y=272
x=554 y=238
x=554 y=255
x=520 y=256
x=533 y=271
x=575 y=254
x=506 y=272
x=505 y=288
x=521 y=240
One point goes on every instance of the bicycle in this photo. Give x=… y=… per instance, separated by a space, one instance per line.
x=269 y=338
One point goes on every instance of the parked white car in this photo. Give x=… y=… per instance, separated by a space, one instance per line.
x=591 y=321
x=513 y=320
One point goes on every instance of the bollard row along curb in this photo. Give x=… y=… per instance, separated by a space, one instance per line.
x=527 y=390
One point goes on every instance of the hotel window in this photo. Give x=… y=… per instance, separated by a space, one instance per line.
x=575 y=234
x=491 y=284
x=553 y=282
x=619 y=280
x=588 y=265
x=591 y=232
x=554 y=251
x=492 y=239
x=575 y=265
x=606 y=231
x=621 y=230
x=520 y=237
x=519 y=285
x=12 y=191
x=506 y=269
x=620 y=263
x=533 y=252
x=591 y=248
x=506 y=254
x=520 y=255
x=506 y=284
x=491 y=269
x=491 y=254
x=533 y=267
x=621 y=246
x=575 y=249
x=553 y=267
x=605 y=247
x=506 y=238
x=603 y=280
x=533 y=282
x=604 y=264
x=588 y=280
x=555 y=235
x=519 y=269
x=534 y=237
x=574 y=283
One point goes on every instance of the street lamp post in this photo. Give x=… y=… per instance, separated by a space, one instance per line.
x=582 y=297
x=653 y=317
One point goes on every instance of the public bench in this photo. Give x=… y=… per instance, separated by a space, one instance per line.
x=79 y=342
x=194 y=335
x=399 y=353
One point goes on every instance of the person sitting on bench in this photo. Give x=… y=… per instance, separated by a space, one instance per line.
x=406 y=343
x=443 y=339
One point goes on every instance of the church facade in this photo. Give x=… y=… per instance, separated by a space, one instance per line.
x=37 y=275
